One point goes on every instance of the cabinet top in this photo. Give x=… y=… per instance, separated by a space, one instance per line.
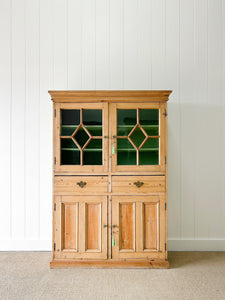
x=110 y=96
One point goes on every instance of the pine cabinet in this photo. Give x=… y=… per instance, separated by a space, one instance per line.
x=110 y=179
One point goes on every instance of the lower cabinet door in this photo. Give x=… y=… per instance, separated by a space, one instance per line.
x=80 y=227
x=138 y=227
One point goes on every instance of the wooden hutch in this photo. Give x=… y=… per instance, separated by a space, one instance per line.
x=110 y=179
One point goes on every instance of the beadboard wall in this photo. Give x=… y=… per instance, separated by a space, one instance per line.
x=113 y=44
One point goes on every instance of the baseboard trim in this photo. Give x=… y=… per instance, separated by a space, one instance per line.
x=173 y=245
x=196 y=245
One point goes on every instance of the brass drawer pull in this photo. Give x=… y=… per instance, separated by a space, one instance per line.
x=138 y=183
x=81 y=184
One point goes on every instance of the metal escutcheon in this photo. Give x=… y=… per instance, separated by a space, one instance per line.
x=81 y=184
x=138 y=183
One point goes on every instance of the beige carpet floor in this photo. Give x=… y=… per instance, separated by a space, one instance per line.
x=193 y=275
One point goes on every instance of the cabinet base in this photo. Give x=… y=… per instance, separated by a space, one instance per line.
x=118 y=264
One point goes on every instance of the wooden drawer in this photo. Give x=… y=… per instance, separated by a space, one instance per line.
x=138 y=184
x=74 y=185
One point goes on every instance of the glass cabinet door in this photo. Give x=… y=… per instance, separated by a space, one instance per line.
x=80 y=137
x=138 y=137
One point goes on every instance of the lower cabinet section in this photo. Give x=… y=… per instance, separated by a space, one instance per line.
x=118 y=229
x=80 y=227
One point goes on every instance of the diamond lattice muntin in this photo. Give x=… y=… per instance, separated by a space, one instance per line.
x=81 y=136
x=137 y=136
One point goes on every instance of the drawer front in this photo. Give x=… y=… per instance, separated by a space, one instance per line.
x=138 y=184
x=79 y=185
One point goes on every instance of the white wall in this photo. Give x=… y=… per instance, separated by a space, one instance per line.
x=113 y=44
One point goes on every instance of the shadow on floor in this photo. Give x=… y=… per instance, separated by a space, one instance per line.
x=181 y=259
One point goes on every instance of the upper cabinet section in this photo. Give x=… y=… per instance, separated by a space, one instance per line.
x=109 y=131
x=81 y=137
x=138 y=132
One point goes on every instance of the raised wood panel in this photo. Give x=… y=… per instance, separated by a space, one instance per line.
x=126 y=226
x=150 y=226
x=126 y=184
x=69 y=185
x=70 y=225
x=93 y=226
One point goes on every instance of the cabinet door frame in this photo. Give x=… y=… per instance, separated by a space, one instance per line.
x=138 y=250
x=56 y=138
x=161 y=167
x=80 y=252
